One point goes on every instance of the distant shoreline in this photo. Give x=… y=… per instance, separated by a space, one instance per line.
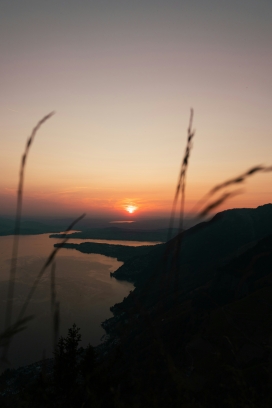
x=121 y=234
x=121 y=252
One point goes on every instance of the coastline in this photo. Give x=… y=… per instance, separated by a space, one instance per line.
x=13 y=379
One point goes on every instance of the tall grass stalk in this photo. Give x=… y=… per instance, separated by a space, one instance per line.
x=15 y=247
x=47 y=263
x=20 y=324
x=209 y=205
x=54 y=305
x=180 y=189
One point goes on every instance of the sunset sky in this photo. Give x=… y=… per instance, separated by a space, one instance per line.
x=122 y=76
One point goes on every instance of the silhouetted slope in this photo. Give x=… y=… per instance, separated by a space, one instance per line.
x=207 y=340
x=208 y=244
x=246 y=273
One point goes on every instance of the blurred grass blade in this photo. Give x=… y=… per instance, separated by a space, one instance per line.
x=49 y=260
x=52 y=285
x=54 y=306
x=214 y=204
x=231 y=182
x=18 y=221
x=47 y=263
x=182 y=179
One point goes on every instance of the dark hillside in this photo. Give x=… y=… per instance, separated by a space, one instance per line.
x=208 y=244
x=205 y=338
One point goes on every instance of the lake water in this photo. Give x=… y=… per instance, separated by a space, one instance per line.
x=84 y=289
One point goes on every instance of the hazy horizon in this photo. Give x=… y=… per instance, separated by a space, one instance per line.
x=100 y=222
x=134 y=223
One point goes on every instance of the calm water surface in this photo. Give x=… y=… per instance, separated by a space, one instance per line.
x=84 y=288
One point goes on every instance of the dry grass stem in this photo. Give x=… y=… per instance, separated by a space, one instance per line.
x=19 y=325
x=48 y=262
x=182 y=179
x=214 y=204
x=18 y=221
x=12 y=330
x=52 y=285
x=54 y=305
x=209 y=206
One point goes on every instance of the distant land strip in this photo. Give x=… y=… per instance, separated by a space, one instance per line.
x=121 y=252
x=122 y=234
x=28 y=227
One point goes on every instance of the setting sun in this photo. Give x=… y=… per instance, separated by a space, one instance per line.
x=131 y=208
